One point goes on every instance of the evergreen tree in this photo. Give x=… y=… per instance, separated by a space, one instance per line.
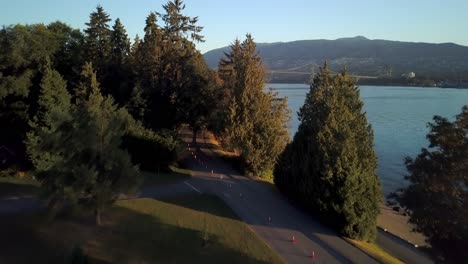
x=120 y=43
x=134 y=50
x=87 y=166
x=137 y=103
x=54 y=109
x=438 y=191
x=54 y=100
x=118 y=72
x=256 y=121
x=330 y=165
x=69 y=58
x=88 y=83
x=98 y=38
x=197 y=101
x=25 y=50
x=164 y=59
x=180 y=34
x=149 y=55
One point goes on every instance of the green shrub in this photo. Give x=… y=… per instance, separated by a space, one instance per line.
x=151 y=150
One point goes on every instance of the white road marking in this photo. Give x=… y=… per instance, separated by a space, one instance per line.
x=191 y=186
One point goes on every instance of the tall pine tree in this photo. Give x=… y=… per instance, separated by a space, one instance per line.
x=256 y=121
x=54 y=107
x=120 y=44
x=98 y=38
x=118 y=72
x=81 y=162
x=88 y=83
x=331 y=165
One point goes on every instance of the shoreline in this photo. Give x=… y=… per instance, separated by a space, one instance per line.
x=367 y=85
x=398 y=224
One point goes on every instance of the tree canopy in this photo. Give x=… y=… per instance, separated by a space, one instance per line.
x=330 y=166
x=256 y=120
x=438 y=191
x=76 y=151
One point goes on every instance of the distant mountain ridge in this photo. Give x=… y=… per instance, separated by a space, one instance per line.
x=362 y=56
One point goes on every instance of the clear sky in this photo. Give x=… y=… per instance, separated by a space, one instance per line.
x=432 y=21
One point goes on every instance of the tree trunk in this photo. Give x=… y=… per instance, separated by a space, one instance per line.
x=194 y=136
x=53 y=208
x=98 y=217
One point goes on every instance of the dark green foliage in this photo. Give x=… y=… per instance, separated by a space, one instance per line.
x=120 y=44
x=438 y=191
x=256 y=121
x=178 y=26
x=69 y=58
x=80 y=161
x=25 y=52
x=54 y=109
x=163 y=62
x=162 y=80
x=152 y=151
x=88 y=83
x=330 y=165
x=54 y=101
x=137 y=104
x=197 y=98
x=118 y=71
x=98 y=38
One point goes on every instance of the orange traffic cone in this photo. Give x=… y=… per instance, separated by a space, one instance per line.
x=293 y=239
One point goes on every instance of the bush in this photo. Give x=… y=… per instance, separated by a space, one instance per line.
x=151 y=150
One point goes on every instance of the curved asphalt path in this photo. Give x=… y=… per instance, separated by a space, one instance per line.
x=265 y=211
x=274 y=219
x=271 y=216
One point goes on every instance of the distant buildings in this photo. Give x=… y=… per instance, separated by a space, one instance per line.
x=409 y=75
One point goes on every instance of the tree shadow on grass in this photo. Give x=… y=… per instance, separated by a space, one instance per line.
x=127 y=236
x=167 y=243
x=30 y=238
x=207 y=203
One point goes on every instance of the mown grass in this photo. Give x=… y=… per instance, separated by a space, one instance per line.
x=375 y=251
x=188 y=229
x=16 y=186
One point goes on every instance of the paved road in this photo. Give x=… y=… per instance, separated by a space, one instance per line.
x=271 y=216
x=265 y=211
x=400 y=248
x=276 y=220
x=18 y=205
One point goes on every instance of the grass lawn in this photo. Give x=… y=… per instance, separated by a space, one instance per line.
x=188 y=229
x=17 y=187
x=375 y=251
x=160 y=178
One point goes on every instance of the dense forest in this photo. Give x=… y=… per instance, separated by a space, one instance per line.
x=86 y=111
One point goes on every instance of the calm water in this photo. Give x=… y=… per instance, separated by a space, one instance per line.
x=398 y=116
